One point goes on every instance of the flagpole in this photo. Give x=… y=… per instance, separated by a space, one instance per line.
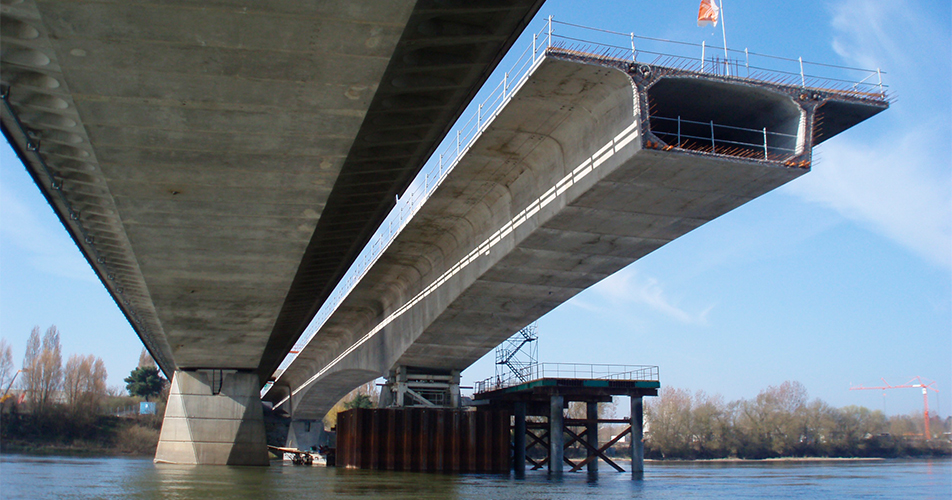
x=727 y=64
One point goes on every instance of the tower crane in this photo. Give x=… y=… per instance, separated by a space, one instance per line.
x=916 y=382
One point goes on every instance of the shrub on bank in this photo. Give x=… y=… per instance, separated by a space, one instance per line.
x=782 y=422
x=59 y=431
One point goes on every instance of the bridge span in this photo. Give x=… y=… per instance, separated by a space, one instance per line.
x=591 y=163
x=221 y=166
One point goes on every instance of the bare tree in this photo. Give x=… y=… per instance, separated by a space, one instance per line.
x=73 y=378
x=669 y=419
x=84 y=383
x=30 y=382
x=773 y=424
x=7 y=370
x=50 y=367
x=145 y=360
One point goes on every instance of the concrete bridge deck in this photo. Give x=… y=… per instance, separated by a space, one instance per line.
x=569 y=183
x=221 y=164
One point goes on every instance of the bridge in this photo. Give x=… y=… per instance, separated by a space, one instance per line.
x=220 y=165
x=590 y=163
x=221 y=181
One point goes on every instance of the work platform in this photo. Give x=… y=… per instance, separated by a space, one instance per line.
x=504 y=424
x=547 y=389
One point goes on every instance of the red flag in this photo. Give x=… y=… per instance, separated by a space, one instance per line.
x=708 y=13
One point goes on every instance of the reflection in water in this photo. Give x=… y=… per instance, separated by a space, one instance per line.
x=182 y=481
x=286 y=481
x=56 y=477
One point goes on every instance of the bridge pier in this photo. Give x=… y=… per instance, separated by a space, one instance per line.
x=213 y=417
x=308 y=435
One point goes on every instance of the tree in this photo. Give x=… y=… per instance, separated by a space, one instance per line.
x=359 y=401
x=84 y=383
x=145 y=381
x=30 y=382
x=43 y=366
x=145 y=359
x=7 y=370
x=854 y=424
x=711 y=428
x=669 y=421
x=773 y=424
x=50 y=367
x=365 y=396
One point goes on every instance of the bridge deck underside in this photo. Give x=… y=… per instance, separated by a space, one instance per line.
x=555 y=195
x=221 y=164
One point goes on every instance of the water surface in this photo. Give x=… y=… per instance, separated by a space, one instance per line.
x=29 y=477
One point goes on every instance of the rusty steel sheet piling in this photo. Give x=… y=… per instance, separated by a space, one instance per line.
x=424 y=440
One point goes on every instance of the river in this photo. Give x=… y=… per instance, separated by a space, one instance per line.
x=31 y=477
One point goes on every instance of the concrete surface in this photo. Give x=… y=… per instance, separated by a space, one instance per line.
x=221 y=163
x=213 y=418
x=558 y=193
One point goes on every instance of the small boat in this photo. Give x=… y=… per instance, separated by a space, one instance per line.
x=302 y=457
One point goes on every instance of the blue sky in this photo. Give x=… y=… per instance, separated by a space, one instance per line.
x=840 y=277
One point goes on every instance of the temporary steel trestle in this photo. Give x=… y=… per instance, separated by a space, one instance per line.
x=503 y=432
x=548 y=398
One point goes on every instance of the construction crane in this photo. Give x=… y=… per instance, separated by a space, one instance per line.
x=918 y=384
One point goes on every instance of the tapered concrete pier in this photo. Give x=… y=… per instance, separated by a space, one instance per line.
x=213 y=417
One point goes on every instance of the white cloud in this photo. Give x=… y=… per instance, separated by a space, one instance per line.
x=891 y=188
x=895 y=179
x=627 y=287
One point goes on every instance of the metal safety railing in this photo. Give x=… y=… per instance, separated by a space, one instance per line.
x=479 y=115
x=739 y=141
x=711 y=59
x=579 y=371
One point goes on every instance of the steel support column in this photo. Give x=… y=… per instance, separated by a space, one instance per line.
x=519 y=440
x=637 y=434
x=591 y=434
x=556 y=436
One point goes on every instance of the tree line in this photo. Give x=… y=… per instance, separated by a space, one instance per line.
x=781 y=421
x=47 y=403
x=44 y=382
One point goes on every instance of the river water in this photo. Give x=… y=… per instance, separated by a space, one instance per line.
x=30 y=477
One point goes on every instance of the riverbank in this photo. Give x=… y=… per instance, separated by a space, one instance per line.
x=106 y=436
x=76 y=449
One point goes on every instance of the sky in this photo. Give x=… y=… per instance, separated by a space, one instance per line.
x=841 y=277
